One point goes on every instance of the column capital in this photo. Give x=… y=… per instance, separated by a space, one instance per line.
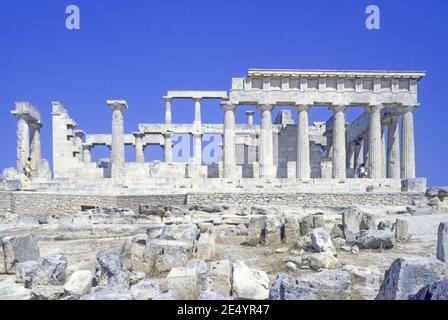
x=250 y=113
x=196 y=99
x=265 y=107
x=117 y=104
x=302 y=107
x=168 y=134
x=167 y=99
x=337 y=108
x=138 y=134
x=227 y=106
x=371 y=108
x=35 y=125
x=405 y=109
x=79 y=133
x=86 y=146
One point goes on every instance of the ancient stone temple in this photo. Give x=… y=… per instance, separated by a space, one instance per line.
x=286 y=150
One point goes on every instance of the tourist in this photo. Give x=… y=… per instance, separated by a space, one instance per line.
x=362 y=171
x=27 y=168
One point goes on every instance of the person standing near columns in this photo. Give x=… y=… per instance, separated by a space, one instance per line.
x=168 y=147
x=117 y=147
x=339 y=154
x=407 y=143
x=35 y=144
x=139 y=152
x=197 y=132
x=265 y=141
x=303 y=170
x=375 y=142
x=393 y=149
x=229 y=139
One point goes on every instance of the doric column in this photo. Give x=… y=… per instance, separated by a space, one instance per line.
x=117 y=147
x=139 y=152
x=407 y=143
x=250 y=117
x=35 y=144
x=303 y=144
x=229 y=139
x=197 y=111
x=366 y=152
x=384 y=151
x=87 y=153
x=350 y=157
x=266 y=157
x=167 y=110
x=375 y=144
x=168 y=147
x=393 y=149
x=23 y=141
x=339 y=170
x=197 y=132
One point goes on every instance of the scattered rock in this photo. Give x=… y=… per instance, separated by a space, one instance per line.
x=434 y=291
x=188 y=232
x=306 y=225
x=219 y=275
x=350 y=223
x=106 y=293
x=209 y=208
x=51 y=271
x=337 y=231
x=184 y=281
x=322 y=260
x=320 y=240
x=367 y=222
x=375 y=239
x=249 y=283
x=210 y=295
x=17 y=249
x=200 y=266
x=206 y=245
x=291 y=229
x=407 y=275
x=162 y=255
x=79 y=283
x=111 y=272
x=146 y=289
x=384 y=225
x=25 y=272
x=257 y=225
x=40 y=292
x=154 y=231
x=401 y=230
x=271 y=235
x=286 y=288
x=291 y=266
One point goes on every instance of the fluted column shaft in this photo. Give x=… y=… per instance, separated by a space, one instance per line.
x=168 y=147
x=139 y=152
x=23 y=142
x=168 y=110
x=407 y=144
x=358 y=156
x=35 y=145
x=339 y=153
x=375 y=142
x=393 y=150
x=266 y=148
x=197 y=134
x=303 y=144
x=229 y=140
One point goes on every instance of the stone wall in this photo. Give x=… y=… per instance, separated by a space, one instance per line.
x=304 y=199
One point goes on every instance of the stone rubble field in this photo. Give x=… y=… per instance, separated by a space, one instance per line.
x=225 y=252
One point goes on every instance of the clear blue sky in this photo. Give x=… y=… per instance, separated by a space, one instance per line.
x=137 y=50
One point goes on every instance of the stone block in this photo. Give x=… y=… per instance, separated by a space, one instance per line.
x=414 y=185
x=219 y=277
x=146 y=289
x=291 y=229
x=401 y=230
x=249 y=284
x=162 y=255
x=51 y=271
x=19 y=249
x=26 y=271
x=79 y=283
x=375 y=239
x=442 y=242
x=47 y=292
x=351 y=219
x=257 y=225
x=206 y=246
x=184 y=281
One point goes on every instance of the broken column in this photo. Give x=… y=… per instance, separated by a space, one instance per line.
x=35 y=147
x=442 y=242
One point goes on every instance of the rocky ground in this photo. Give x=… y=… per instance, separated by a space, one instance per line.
x=216 y=251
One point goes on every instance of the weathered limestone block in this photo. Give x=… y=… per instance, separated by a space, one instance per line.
x=401 y=230
x=337 y=231
x=184 y=232
x=79 y=283
x=210 y=295
x=162 y=255
x=111 y=272
x=2 y=259
x=26 y=271
x=106 y=293
x=139 y=262
x=322 y=260
x=384 y=225
x=375 y=239
x=210 y=208
x=19 y=249
x=257 y=224
x=306 y=225
x=51 y=271
x=184 y=281
x=434 y=291
x=321 y=240
x=442 y=242
x=219 y=275
x=272 y=232
x=154 y=231
x=206 y=245
x=146 y=289
x=43 y=169
x=201 y=267
x=350 y=221
x=408 y=275
x=249 y=283
x=291 y=229
x=41 y=292
x=324 y=285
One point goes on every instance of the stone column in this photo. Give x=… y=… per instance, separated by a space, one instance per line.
x=266 y=157
x=117 y=147
x=407 y=143
x=35 y=148
x=167 y=110
x=393 y=149
x=303 y=170
x=250 y=117
x=366 y=153
x=358 y=156
x=78 y=143
x=23 y=141
x=197 y=132
x=384 y=151
x=139 y=152
x=168 y=147
x=229 y=139
x=350 y=157
x=375 y=144
x=339 y=154
x=86 y=153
